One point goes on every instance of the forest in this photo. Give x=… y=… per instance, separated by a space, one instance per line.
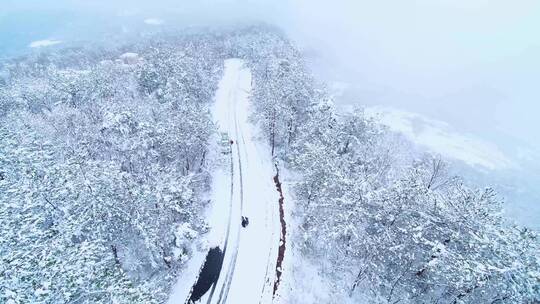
x=104 y=166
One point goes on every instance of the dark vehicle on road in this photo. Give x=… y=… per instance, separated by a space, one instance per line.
x=245 y=221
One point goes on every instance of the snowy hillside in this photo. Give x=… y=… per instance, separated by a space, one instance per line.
x=208 y=166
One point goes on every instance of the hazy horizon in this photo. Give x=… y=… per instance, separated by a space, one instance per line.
x=471 y=64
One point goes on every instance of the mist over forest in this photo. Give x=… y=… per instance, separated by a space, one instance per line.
x=225 y=151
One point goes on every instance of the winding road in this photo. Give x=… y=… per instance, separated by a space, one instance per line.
x=243 y=186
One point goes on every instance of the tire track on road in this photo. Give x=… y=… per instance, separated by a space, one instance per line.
x=227 y=283
x=228 y=227
x=227 y=234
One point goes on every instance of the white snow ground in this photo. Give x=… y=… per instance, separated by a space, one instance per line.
x=248 y=271
x=154 y=21
x=440 y=138
x=43 y=43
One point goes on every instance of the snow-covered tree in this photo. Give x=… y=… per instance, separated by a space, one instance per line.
x=100 y=177
x=381 y=230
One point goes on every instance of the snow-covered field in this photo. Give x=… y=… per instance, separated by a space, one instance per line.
x=440 y=138
x=44 y=43
x=243 y=187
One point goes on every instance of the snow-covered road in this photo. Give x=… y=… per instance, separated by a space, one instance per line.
x=243 y=187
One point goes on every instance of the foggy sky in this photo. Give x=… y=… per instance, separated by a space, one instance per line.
x=473 y=63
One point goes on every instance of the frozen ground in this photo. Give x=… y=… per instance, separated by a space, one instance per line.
x=242 y=186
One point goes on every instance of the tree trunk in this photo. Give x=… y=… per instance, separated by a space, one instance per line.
x=115 y=254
